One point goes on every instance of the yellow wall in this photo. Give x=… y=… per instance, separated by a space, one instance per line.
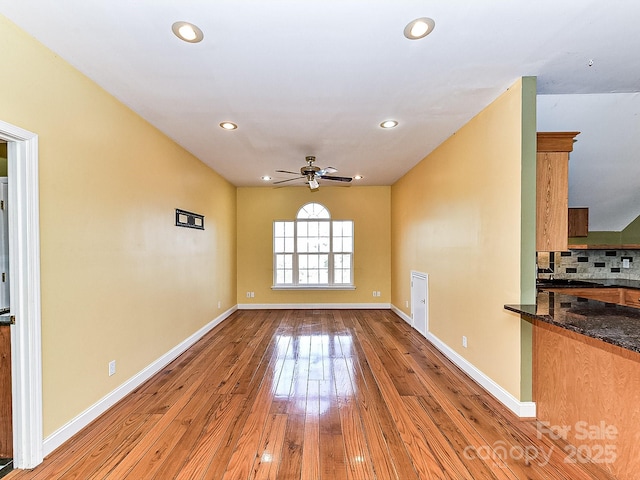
x=457 y=217
x=119 y=280
x=368 y=207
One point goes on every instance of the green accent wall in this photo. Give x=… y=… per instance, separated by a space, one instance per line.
x=528 y=232
x=630 y=234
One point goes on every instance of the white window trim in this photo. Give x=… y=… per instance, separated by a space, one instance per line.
x=295 y=253
x=340 y=286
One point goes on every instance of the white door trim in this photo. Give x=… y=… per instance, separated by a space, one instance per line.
x=425 y=277
x=24 y=264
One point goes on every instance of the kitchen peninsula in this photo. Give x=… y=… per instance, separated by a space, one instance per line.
x=586 y=372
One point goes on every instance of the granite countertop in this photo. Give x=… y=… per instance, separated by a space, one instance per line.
x=589 y=282
x=611 y=323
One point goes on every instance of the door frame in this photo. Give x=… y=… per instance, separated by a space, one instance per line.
x=24 y=265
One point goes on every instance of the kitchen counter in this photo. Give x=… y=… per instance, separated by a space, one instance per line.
x=591 y=282
x=615 y=324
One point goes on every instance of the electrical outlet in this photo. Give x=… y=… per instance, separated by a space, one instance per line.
x=218 y=303
x=406 y=303
x=464 y=341
x=112 y=367
x=252 y=294
x=248 y=294
x=374 y=293
x=377 y=294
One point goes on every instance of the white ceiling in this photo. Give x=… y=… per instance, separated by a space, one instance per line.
x=316 y=77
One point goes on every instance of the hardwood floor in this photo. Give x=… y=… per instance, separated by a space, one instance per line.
x=311 y=394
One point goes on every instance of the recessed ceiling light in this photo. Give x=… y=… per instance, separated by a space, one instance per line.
x=228 y=125
x=266 y=178
x=419 y=28
x=358 y=177
x=389 y=124
x=187 y=31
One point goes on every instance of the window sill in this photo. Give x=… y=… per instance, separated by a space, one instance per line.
x=313 y=287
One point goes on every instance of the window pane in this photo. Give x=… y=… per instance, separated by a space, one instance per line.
x=302 y=261
x=278 y=229
x=278 y=245
x=337 y=244
x=313 y=229
x=288 y=229
x=288 y=245
x=313 y=210
x=302 y=229
x=347 y=244
x=324 y=229
x=288 y=276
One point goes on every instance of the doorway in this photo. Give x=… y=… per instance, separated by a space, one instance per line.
x=6 y=415
x=420 y=302
x=24 y=294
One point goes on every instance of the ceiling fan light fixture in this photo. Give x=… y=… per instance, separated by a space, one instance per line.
x=419 y=28
x=313 y=184
x=228 y=126
x=187 y=32
x=358 y=177
x=389 y=124
x=266 y=178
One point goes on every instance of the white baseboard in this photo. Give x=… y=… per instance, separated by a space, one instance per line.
x=312 y=306
x=65 y=432
x=522 y=409
x=402 y=315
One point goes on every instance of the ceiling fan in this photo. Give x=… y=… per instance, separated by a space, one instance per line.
x=312 y=173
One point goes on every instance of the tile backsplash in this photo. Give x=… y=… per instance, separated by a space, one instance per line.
x=587 y=264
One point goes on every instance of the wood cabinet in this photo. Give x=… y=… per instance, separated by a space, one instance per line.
x=629 y=297
x=632 y=297
x=580 y=381
x=578 y=222
x=605 y=294
x=552 y=190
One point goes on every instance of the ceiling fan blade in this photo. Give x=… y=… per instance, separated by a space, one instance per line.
x=326 y=170
x=287 y=171
x=338 y=179
x=288 y=180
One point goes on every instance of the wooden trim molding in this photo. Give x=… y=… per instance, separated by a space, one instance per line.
x=556 y=141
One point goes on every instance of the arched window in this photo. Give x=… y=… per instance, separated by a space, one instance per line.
x=313 y=250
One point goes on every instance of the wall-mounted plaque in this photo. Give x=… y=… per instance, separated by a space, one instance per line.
x=189 y=219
